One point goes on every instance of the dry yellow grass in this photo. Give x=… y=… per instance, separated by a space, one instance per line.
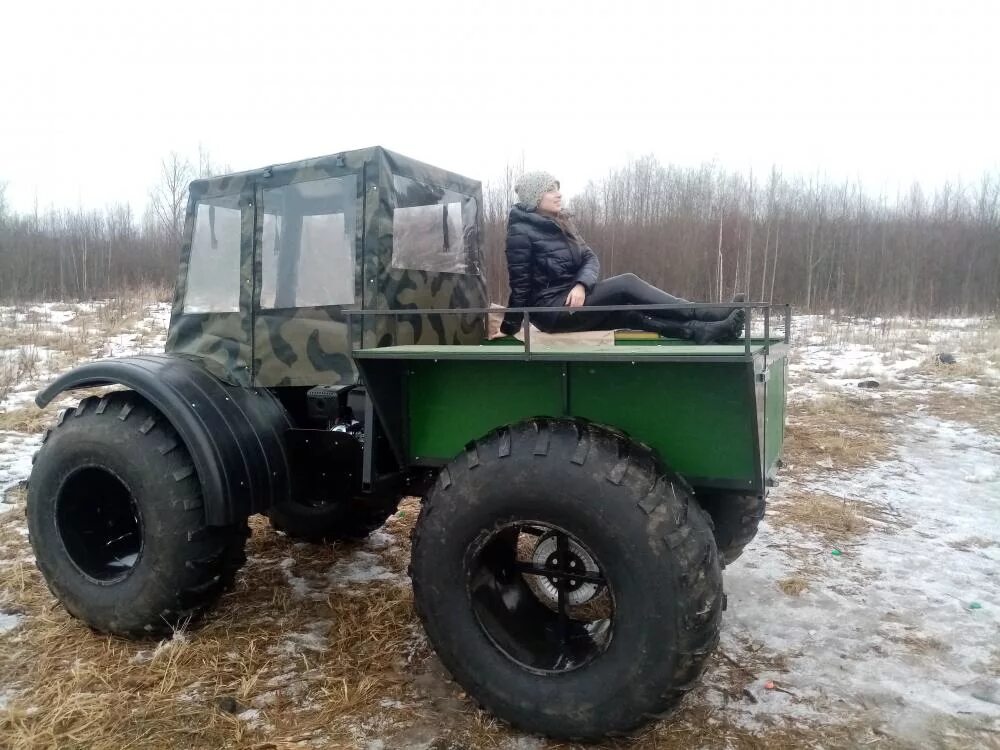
x=31 y=419
x=25 y=334
x=840 y=431
x=28 y=419
x=830 y=518
x=332 y=670
x=793 y=585
x=979 y=409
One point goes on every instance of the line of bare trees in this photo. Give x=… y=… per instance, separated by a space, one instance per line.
x=84 y=254
x=703 y=233
x=706 y=233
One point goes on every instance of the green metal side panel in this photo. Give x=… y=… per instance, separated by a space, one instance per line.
x=450 y=402
x=698 y=416
x=774 y=413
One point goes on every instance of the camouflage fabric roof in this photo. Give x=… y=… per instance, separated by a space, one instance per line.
x=266 y=265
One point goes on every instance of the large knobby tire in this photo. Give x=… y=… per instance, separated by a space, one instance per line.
x=623 y=510
x=735 y=518
x=117 y=523
x=350 y=519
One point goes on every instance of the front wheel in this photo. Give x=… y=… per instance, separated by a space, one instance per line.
x=116 y=520
x=567 y=580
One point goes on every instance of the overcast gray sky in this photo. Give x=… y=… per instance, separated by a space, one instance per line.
x=93 y=94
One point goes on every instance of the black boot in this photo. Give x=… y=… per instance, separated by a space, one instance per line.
x=698 y=331
x=709 y=314
x=704 y=314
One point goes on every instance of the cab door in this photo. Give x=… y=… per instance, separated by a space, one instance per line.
x=211 y=317
x=307 y=242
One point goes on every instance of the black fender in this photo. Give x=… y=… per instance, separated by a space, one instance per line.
x=235 y=435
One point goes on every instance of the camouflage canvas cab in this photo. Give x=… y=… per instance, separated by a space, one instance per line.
x=273 y=257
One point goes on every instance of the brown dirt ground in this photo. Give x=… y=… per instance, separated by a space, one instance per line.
x=334 y=671
x=351 y=665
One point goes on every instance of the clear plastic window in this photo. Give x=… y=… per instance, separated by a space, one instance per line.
x=213 y=273
x=307 y=248
x=431 y=227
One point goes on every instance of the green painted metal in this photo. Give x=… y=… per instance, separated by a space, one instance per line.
x=713 y=413
x=450 y=402
x=697 y=416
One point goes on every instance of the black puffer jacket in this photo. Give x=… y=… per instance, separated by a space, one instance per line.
x=544 y=264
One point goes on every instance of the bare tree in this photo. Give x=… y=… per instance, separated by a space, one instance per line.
x=168 y=200
x=691 y=231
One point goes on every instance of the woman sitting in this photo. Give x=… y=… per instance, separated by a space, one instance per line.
x=551 y=266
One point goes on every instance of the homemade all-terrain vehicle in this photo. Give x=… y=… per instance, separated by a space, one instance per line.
x=326 y=357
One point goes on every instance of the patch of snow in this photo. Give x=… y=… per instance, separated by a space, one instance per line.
x=982 y=473
x=300 y=586
x=56 y=318
x=265 y=699
x=379 y=540
x=15 y=461
x=281 y=680
x=962 y=387
x=525 y=743
x=313 y=639
x=251 y=715
x=9 y=622
x=392 y=703
x=886 y=631
x=360 y=568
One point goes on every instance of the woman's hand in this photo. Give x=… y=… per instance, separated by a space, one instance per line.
x=576 y=296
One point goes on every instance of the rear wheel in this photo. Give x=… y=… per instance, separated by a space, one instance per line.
x=117 y=523
x=566 y=579
x=334 y=519
x=735 y=519
x=327 y=504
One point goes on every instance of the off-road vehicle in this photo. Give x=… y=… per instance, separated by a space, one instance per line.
x=326 y=357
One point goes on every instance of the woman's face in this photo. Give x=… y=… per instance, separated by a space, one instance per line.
x=551 y=202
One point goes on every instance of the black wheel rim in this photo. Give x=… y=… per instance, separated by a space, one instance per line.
x=541 y=596
x=99 y=523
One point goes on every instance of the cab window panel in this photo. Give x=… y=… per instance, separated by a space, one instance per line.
x=213 y=273
x=307 y=244
x=432 y=228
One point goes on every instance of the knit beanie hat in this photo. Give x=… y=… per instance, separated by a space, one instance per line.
x=533 y=185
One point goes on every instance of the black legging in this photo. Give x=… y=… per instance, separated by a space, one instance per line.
x=627 y=289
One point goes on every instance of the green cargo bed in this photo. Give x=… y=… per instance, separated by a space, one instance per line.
x=714 y=414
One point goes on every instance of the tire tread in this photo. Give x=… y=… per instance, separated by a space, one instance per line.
x=212 y=554
x=688 y=537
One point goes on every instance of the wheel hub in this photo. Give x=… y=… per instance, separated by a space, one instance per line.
x=99 y=522
x=527 y=580
x=546 y=555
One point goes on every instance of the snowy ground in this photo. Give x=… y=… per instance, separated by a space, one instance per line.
x=37 y=342
x=899 y=628
x=881 y=628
